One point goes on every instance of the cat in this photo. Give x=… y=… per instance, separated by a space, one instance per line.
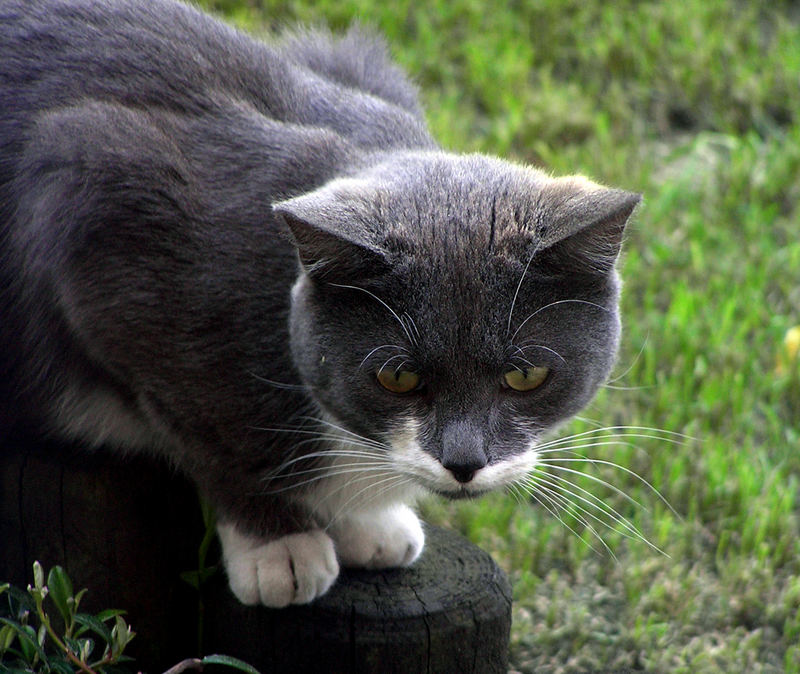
x=254 y=261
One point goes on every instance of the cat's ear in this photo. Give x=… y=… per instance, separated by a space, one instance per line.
x=582 y=225
x=328 y=249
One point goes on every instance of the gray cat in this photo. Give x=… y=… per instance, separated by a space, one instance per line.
x=254 y=261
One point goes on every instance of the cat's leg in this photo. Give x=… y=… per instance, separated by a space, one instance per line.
x=293 y=569
x=378 y=539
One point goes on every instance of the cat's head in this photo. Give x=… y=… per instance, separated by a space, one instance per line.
x=455 y=308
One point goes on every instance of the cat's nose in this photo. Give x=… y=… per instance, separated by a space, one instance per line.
x=463 y=451
x=464 y=472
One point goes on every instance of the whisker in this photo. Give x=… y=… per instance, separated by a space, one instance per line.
x=392 y=478
x=330 y=437
x=524 y=360
x=558 y=502
x=635 y=360
x=516 y=292
x=413 y=324
x=399 y=355
x=513 y=489
x=405 y=480
x=378 y=348
x=334 y=453
x=573 y=449
x=551 y=463
x=318 y=436
x=592 y=422
x=533 y=493
x=330 y=474
x=406 y=331
x=593 y=478
x=357 y=454
x=528 y=345
x=578 y=512
x=649 y=433
x=599 y=505
x=348 y=432
x=277 y=384
x=553 y=304
x=336 y=469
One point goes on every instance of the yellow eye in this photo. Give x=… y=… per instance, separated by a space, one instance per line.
x=398 y=381
x=527 y=378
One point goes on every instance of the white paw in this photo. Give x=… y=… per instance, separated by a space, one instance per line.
x=380 y=539
x=293 y=569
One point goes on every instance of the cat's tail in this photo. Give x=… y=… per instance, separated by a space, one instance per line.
x=358 y=59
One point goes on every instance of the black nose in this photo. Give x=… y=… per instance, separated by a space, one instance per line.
x=464 y=472
x=463 y=450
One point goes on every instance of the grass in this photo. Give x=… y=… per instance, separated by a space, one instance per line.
x=697 y=105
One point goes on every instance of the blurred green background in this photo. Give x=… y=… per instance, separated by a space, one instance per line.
x=697 y=105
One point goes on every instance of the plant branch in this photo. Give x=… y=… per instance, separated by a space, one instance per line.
x=189 y=663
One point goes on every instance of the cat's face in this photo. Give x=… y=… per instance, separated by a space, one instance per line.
x=454 y=309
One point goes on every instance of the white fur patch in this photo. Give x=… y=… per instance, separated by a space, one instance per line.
x=293 y=569
x=385 y=538
x=411 y=459
x=358 y=480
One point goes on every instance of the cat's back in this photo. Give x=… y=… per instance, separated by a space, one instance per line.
x=168 y=55
x=138 y=52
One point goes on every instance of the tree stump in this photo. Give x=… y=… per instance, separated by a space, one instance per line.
x=127 y=528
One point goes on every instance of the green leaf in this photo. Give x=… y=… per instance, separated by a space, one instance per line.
x=4 y=587
x=20 y=602
x=73 y=644
x=27 y=640
x=121 y=636
x=228 y=661
x=191 y=578
x=26 y=634
x=38 y=576
x=17 y=670
x=86 y=649
x=61 y=667
x=78 y=598
x=197 y=577
x=7 y=636
x=110 y=613
x=60 y=587
x=88 y=622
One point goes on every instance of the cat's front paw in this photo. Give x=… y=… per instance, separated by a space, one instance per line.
x=377 y=540
x=293 y=569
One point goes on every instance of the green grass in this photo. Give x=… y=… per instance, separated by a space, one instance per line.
x=697 y=105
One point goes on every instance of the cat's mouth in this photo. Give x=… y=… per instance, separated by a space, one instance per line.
x=456 y=492
x=462 y=493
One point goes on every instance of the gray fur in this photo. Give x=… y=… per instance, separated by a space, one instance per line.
x=160 y=175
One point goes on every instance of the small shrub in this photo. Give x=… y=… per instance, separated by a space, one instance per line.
x=36 y=638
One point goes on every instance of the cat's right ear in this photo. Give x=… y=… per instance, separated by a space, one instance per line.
x=326 y=249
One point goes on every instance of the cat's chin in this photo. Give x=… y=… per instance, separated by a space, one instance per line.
x=461 y=494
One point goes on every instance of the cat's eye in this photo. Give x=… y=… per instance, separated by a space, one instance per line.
x=398 y=381
x=526 y=378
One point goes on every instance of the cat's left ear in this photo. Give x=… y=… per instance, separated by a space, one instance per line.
x=330 y=247
x=583 y=224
